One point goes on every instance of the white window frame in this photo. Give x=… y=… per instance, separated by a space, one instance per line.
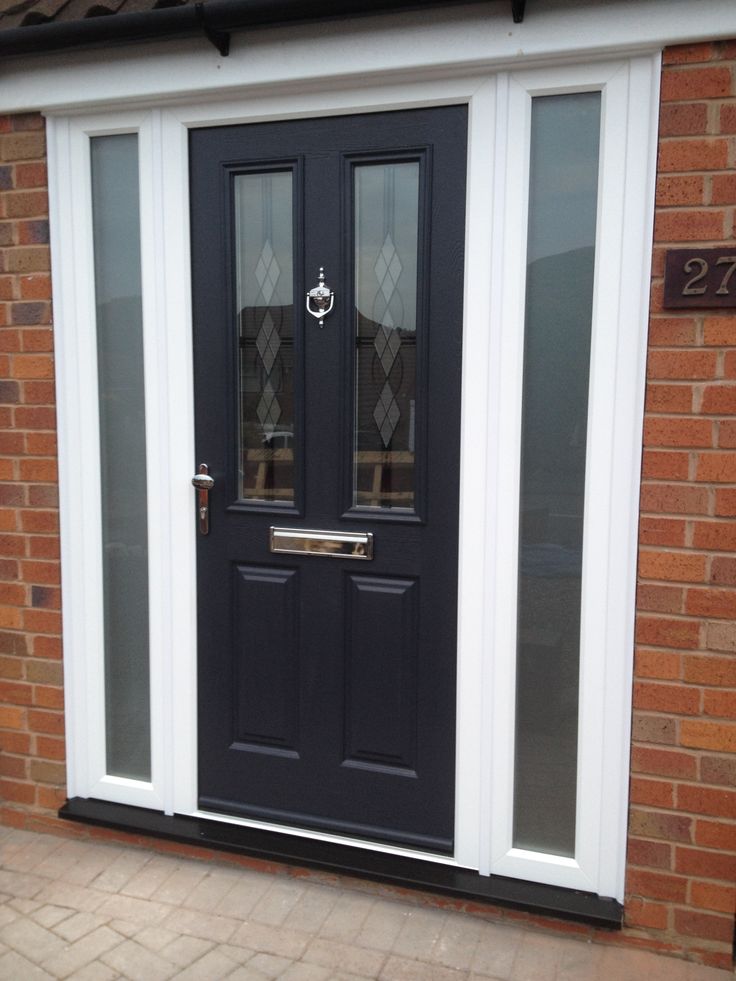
x=618 y=352
x=499 y=111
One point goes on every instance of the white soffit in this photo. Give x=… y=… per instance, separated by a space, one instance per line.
x=448 y=40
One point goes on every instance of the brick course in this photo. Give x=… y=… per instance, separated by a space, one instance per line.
x=31 y=695
x=685 y=689
x=681 y=872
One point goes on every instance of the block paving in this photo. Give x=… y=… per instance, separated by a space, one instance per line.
x=100 y=911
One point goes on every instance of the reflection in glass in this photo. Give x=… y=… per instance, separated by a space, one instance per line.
x=386 y=251
x=265 y=304
x=117 y=260
x=561 y=250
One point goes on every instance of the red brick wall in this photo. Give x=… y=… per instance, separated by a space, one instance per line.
x=31 y=697
x=682 y=854
x=681 y=882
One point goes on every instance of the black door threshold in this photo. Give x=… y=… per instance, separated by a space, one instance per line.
x=396 y=870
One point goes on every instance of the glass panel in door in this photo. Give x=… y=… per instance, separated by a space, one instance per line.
x=386 y=266
x=264 y=263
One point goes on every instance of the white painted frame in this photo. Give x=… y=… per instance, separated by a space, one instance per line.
x=491 y=400
x=618 y=351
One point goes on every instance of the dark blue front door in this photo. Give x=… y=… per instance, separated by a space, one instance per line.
x=327 y=671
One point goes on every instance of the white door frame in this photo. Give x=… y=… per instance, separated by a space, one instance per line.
x=499 y=112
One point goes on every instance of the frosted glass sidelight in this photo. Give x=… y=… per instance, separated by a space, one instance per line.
x=560 y=267
x=117 y=262
x=264 y=262
x=386 y=262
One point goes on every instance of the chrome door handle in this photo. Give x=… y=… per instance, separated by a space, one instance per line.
x=204 y=484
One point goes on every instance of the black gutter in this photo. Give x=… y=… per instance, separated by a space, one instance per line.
x=215 y=18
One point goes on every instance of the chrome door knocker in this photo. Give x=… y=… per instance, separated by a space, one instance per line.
x=320 y=299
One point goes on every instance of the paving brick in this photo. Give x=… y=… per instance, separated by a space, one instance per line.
x=306 y=972
x=60 y=861
x=96 y=972
x=8 y=915
x=382 y=926
x=346 y=957
x=278 y=901
x=419 y=933
x=271 y=940
x=346 y=976
x=242 y=897
x=246 y=973
x=312 y=909
x=181 y=950
x=699 y=972
x=75 y=897
x=580 y=962
x=144 y=883
x=15 y=967
x=135 y=962
x=624 y=965
x=51 y=916
x=82 y=952
x=179 y=884
x=239 y=955
x=404 y=969
x=120 y=870
x=78 y=925
x=456 y=945
x=125 y=928
x=269 y=965
x=213 y=887
x=130 y=908
x=212 y=966
x=31 y=940
x=156 y=938
x=496 y=951
x=537 y=958
x=23 y=886
x=346 y=919
x=204 y=925
x=24 y=906
x=17 y=841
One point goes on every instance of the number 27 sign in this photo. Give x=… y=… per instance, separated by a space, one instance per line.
x=700 y=278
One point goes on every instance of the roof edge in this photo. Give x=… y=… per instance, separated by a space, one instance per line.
x=213 y=19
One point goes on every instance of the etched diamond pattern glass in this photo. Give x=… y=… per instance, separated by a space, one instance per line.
x=264 y=284
x=386 y=264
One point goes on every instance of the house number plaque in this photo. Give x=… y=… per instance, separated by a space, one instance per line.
x=700 y=278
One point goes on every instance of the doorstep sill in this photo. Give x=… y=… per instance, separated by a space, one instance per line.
x=396 y=870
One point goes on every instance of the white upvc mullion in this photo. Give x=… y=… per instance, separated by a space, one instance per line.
x=82 y=457
x=514 y=120
x=72 y=457
x=594 y=610
x=634 y=263
x=155 y=377
x=181 y=660
x=472 y=804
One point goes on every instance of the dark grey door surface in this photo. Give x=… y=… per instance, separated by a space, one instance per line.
x=327 y=674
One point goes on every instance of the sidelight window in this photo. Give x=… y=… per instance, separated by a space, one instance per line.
x=563 y=197
x=121 y=401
